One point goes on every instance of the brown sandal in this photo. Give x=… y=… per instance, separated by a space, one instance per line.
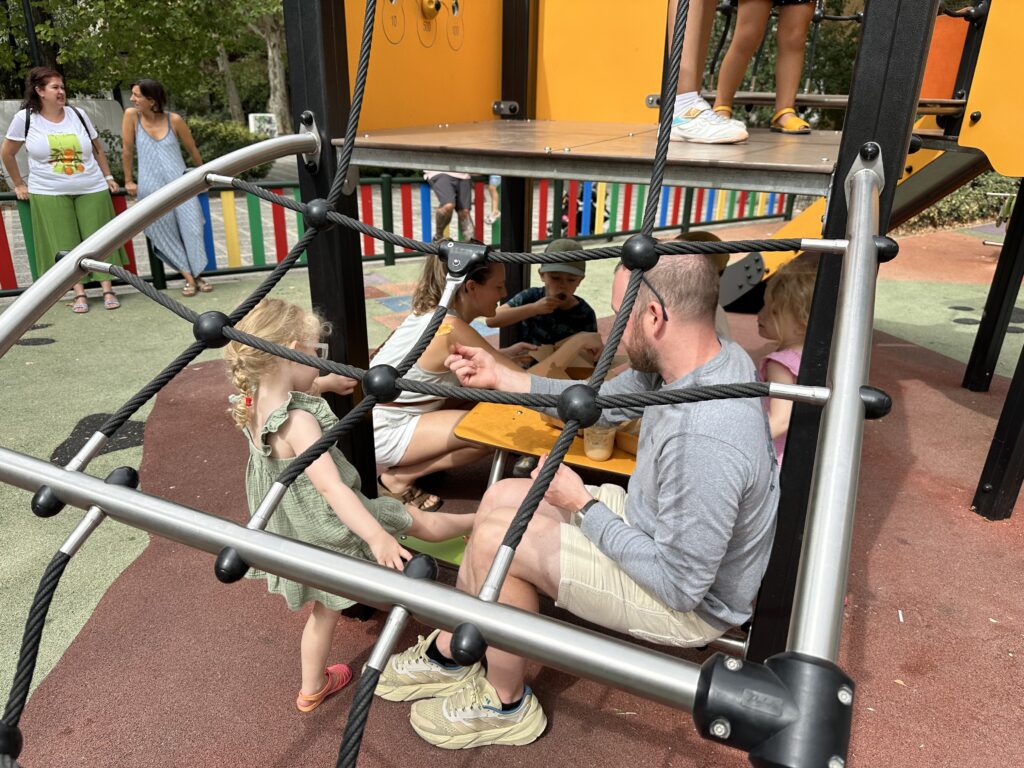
x=417 y=497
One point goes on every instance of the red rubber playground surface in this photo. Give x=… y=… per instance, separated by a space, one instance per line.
x=176 y=669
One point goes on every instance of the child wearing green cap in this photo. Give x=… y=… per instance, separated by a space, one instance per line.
x=553 y=312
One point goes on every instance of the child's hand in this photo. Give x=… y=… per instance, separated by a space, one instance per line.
x=333 y=382
x=520 y=352
x=546 y=305
x=387 y=551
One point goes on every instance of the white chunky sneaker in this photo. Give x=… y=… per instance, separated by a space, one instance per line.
x=704 y=126
x=412 y=675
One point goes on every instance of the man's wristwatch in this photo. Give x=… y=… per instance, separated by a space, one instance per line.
x=109 y=178
x=582 y=511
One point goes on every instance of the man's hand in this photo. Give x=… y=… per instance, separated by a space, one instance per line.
x=567 y=491
x=546 y=305
x=474 y=367
x=131 y=188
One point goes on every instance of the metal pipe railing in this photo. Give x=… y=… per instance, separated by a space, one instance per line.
x=50 y=287
x=580 y=652
x=821 y=581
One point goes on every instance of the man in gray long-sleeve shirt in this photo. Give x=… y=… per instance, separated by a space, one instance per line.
x=677 y=560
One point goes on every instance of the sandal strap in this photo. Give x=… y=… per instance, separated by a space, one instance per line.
x=723 y=109
x=110 y=293
x=782 y=113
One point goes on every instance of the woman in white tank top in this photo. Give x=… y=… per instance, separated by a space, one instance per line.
x=415 y=435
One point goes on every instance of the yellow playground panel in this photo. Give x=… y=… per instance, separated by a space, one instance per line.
x=428 y=68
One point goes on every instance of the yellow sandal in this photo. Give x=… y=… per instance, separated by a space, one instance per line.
x=802 y=126
x=723 y=110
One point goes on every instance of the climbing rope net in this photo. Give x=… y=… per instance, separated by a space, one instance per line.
x=579 y=406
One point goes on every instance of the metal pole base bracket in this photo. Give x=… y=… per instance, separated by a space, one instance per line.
x=793 y=711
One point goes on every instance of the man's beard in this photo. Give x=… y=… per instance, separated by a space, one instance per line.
x=641 y=356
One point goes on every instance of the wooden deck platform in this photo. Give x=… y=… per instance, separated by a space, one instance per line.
x=766 y=161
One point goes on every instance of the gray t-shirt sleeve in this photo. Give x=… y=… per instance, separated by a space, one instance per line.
x=695 y=513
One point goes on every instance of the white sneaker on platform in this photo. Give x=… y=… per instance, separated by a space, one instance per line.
x=701 y=125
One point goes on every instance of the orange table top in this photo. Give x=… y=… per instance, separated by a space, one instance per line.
x=521 y=430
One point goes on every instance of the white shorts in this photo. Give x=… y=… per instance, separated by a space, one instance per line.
x=392 y=432
x=594 y=587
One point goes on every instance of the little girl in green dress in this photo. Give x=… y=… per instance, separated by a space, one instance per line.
x=281 y=415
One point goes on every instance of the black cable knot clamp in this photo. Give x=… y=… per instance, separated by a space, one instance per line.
x=579 y=403
x=316 y=214
x=463 y=258
x=381 y=382
x=638 y=252
x=209 y=329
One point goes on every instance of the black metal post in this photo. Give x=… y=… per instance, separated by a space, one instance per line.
x=518 y=72
x=1001 y=479
x=30 y=31
x=1002 y=295
x=319 y=82
x=883 y=101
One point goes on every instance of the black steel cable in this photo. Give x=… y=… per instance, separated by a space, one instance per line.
x=126 y=411
x=687 y=395
x=159 y=297
x=356 y=105
x=348 y=753
x=669 y=81
x=31 y=637
x=604 y=362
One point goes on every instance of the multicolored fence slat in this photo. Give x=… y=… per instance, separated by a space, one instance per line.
x=280 y=229
x=211 y=252
x=478 y=209
x=120 y=206
x=25 y=219
x=574 y=187
x=405 y=194
x=252 y=206
x=8 y=279
x=366 y=216
x=231 y=243
x=542 y=209
x=602 y=191
x=425 y=213
x=300 y=222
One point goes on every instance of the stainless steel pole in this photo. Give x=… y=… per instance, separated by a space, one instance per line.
x=578 y=651
x=821 y=581
x=42 y=294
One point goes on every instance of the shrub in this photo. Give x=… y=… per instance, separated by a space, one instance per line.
x=968 y=205
x=215 y=138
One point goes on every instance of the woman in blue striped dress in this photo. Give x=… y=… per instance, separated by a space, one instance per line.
x=178 y=236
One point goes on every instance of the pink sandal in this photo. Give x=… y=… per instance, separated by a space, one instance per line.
x=338 y=676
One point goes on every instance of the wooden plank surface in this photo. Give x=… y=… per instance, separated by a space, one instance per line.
x=521 y=430
x=609 y=151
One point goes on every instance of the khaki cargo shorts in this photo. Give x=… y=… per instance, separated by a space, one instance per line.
x=595 y=588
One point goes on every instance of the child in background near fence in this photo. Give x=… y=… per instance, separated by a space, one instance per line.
x=493 y=182
x=552 y=313
x=791 y=36
x=324 y=506
x=783 y=319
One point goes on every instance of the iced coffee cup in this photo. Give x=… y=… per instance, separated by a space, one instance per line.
x=599 y=442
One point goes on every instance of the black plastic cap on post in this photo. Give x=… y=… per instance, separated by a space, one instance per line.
x=209 y=329
x=45 y=502
x=421 y=566
x=230 y=566
x=579 y=403
x=316 y=214
x=126 y=476
x=887 y=248
x=877 y=403
x=10 y=740
x=463 y=258
x=869 y=151
x=638 y=252
x=468 y=645
x=916 y=142
x=306 y=118
x=381 y=382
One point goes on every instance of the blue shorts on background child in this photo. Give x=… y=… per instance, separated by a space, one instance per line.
x=553 y=312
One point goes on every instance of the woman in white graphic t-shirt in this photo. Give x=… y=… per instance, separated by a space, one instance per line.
x=69 y=181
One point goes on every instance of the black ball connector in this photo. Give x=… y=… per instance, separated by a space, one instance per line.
x=916 y=142
x=306 y=118
x=638 y=252
x=887 y=248
x=316 y=214
x=463 y=258
x=579 y=403
x=975 y=116
x=209 y=329
x=45 y=502
x=870 y=151
x=422 y=566
x=381 y=382
x=126 y=476
x=468 y=645
x=10 y=740
x=230 y=566
x=877 y=403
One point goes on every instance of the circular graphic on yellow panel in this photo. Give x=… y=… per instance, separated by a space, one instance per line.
x=392 y=19
x=455 y=27
x=426 y=30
